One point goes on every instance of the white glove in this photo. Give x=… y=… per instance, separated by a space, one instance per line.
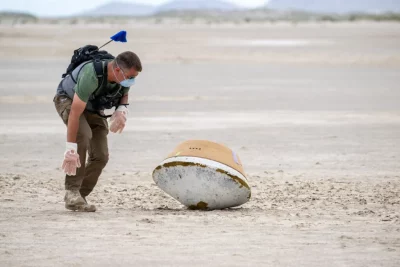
x=71 y=159
x=118 y=119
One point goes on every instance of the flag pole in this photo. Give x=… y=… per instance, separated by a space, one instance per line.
x=105 y=44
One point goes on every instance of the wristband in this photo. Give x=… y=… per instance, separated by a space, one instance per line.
x=71 y=146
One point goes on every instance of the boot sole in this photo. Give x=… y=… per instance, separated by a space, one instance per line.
x=81 y=201
x=80 y=208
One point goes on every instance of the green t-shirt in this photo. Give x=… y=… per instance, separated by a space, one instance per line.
x=87 y=83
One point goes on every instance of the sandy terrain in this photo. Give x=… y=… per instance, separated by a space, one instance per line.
x=312 y=110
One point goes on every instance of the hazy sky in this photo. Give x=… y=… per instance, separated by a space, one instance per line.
x=60 y=7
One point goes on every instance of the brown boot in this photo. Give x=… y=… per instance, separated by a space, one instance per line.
x=73 y=199
x=86 y=207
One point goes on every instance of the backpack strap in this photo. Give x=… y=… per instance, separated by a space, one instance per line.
x=101 y=75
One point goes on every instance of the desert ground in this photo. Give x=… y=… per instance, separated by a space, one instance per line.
x=311 y=109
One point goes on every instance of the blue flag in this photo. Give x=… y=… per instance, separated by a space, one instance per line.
x=119 y=37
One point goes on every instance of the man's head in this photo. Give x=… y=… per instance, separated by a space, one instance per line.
x=126 y=66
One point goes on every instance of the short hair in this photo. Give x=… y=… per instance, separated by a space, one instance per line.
x=129 y=60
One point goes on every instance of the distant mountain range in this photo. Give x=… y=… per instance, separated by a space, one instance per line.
x=120 y=9
x=337 y=6
x=178 y=5
x=319 y=6
x=130 y=9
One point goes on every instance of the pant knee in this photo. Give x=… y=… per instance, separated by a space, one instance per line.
x=104 y=160
x=100 y=160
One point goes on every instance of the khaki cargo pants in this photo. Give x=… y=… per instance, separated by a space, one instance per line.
x=91 y=139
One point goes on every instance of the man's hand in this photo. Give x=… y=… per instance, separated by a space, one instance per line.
x=118 y=119
x=71 y=159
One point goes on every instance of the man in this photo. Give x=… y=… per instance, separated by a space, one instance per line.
x=80 y=101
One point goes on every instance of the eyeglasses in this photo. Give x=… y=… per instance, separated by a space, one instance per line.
x=123 y=73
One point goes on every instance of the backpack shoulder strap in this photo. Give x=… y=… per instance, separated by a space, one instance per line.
x=101 y=75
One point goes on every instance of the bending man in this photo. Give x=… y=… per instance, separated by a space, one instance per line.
x=81 y=98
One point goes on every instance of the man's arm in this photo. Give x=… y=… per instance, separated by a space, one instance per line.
x=124 y=99
x=77 y=108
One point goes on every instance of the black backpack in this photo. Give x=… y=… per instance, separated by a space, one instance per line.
x=89 y=53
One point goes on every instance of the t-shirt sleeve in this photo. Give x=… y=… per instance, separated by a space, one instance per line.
x=86 y=83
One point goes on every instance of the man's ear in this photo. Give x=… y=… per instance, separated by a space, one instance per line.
x=115 y=66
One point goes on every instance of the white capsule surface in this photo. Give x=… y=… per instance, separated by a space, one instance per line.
x=200 y=183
